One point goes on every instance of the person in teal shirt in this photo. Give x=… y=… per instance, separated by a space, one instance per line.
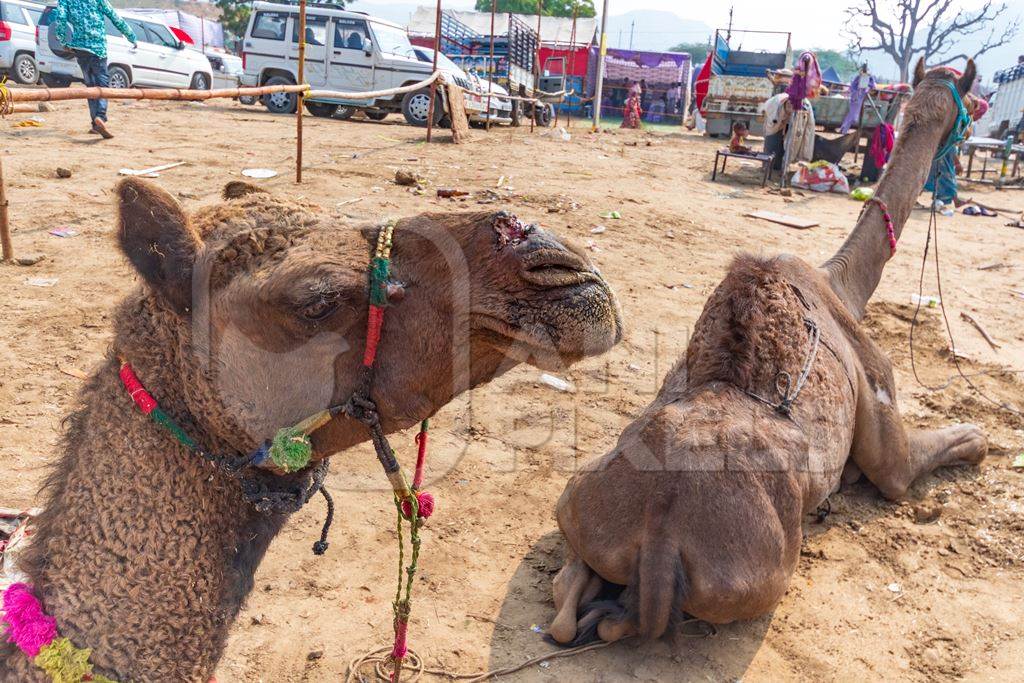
x=80 y=25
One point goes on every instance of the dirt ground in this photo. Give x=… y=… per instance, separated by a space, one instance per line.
x=877 y=595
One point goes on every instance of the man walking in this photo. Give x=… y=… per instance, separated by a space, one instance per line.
x=80 y=25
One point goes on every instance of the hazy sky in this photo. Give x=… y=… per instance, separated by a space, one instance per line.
x=812 y=23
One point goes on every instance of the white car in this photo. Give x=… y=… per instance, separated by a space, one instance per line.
x=18 y=39
x=161 y=60
x=345 y=51
x=501 y=106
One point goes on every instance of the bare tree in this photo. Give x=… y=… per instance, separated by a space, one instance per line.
x=933 y=29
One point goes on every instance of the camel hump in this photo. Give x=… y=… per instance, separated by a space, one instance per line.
x=751 y=329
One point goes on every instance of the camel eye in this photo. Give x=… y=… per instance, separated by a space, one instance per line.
x=320 y=309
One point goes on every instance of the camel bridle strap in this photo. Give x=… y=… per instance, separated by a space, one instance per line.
x=788 y=390
x=249 y=470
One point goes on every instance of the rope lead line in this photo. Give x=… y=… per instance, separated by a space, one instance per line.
x=412 y=506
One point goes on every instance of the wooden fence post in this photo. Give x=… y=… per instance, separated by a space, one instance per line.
x=300 y=97
x=5 y=225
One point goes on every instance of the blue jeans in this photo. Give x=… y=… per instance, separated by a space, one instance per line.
x=94 y=73
x=944 y=186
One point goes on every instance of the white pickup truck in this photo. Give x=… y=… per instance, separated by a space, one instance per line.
x=345 y=51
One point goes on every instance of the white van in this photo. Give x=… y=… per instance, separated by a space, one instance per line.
x=161 y=60
x=346 y=51
x=18 y=39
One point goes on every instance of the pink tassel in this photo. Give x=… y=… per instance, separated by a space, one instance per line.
x=425 y=506
x=28 y=627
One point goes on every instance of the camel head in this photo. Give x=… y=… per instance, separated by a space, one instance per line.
x=267 y=299
x=931 y=101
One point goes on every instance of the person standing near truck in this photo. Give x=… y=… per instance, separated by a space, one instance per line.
x=80 y=26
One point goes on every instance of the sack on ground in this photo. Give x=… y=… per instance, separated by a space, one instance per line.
x=821 y=176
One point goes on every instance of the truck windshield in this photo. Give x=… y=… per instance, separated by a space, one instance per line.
x=391 y=40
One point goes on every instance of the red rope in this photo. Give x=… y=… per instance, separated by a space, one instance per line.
x=142 y=398
x=400 y=649
x=373 y=327
x=421 y=457
x=889 y=228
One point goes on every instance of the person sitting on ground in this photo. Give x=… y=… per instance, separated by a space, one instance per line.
x=85 y=21
x=738 y=144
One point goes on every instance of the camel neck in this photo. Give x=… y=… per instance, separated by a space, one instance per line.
x=857 y=266
x=143 y=553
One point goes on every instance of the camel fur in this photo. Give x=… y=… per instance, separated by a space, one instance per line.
x=698 y=509
x=251 y=316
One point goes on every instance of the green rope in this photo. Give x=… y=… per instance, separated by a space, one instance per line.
x=380 y=269
x=161 y=418
x=403 y=606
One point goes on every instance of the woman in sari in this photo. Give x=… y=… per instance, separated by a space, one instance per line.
x=632 y=112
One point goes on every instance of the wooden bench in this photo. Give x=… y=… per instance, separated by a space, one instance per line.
x=764 y=159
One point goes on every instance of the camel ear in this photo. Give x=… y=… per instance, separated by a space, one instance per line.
x=919 y=72
x=240 y=188
x=966 y=81
x=155 y=235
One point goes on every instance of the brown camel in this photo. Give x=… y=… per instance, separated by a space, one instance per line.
x=698 y=508
x=252 y=316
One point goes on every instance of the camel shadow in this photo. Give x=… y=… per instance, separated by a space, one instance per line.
x=527 y=609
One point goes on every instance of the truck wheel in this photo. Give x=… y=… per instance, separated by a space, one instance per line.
x=542 y=115
x=345 y=113
x=119 y=78
x=321 y=109
x=25 y=70
x=200 y=81
x=376 y=115
x=280 y=102
x=416 y=105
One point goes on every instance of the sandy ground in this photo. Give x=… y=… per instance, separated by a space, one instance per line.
x=876 y=596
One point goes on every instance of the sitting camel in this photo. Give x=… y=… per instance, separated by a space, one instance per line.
x=698 y=508
x=252 y=316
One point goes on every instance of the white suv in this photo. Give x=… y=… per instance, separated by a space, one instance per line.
x=161 y=60
x=18 y=39
x=346 y=51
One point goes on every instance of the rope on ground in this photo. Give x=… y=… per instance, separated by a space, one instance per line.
x=381 y=658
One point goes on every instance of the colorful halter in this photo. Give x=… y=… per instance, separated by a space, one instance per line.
x=963 y=122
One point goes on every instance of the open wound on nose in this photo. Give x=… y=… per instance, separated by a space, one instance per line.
x=510 y=230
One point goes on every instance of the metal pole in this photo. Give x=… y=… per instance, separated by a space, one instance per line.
x=490 y=66
x=536 y=69
x=572 y=56
x=5 y=225
x=433 y=86
x=300 y=97
x=601 y=52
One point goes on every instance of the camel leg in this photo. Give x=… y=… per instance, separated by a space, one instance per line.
x=893 y=457
x=575 y=583
x=612 y=629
